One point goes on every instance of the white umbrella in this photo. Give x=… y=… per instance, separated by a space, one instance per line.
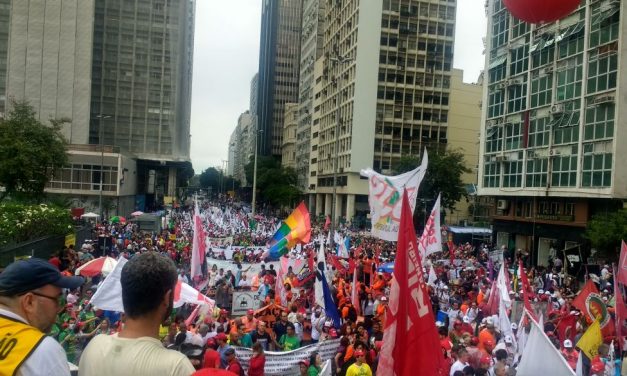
x=97 y=266
x=90 y=215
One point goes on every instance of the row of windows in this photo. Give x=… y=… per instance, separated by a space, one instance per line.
x=596 y=172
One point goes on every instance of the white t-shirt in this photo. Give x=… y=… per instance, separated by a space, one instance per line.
x=47 y=359
x=110 y=355
x=457 y=366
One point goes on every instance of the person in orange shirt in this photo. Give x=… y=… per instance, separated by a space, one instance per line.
x=487 y=334
x=380 y=311
x=379 y=283
x=249 y=321
x=481 y=295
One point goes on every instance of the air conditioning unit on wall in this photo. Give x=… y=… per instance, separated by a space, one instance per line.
x=502 y=204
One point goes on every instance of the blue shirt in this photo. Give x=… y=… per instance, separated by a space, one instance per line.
x=223 y=361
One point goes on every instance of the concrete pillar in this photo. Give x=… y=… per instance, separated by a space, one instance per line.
x=350 y=207
x=327 y=204
x=338 y=207
x=319 y=206
x=312 y=203
x=172 y=181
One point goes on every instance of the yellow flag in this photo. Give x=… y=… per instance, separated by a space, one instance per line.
x=591 y=339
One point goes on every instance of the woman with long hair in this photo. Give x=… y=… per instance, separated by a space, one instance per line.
x=257 y=362
x=315 y=364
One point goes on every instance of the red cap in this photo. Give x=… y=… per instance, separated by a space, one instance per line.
x=360 y=353
x=305 y=362
x=486 y=359
x=221 y=336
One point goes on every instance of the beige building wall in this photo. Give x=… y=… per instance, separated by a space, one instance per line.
x=288 y=147
x=49 y=61
x=463 y=135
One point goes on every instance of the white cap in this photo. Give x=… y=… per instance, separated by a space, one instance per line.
x=489 y=321
x=540 y=291
x=439 y=324
x=547 y=293
x=568 y=343
x=508 y=339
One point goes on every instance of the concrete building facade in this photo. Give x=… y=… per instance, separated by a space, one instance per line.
x=551 y=136
x=279 y=67
x=290 y=125
x=310 y=51
x=393 y=90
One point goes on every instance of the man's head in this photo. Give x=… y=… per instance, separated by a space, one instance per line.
x=462 y=355
x=283 y=317
x=290 y=329
x=261 y=327
x=250 y=314
x=230 y=354
x=203 y=330
x=32 y=289
x=148 y=282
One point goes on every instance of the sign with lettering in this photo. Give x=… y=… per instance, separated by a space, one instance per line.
x=243 y=301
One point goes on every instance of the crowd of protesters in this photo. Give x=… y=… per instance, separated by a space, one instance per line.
x=459 y=288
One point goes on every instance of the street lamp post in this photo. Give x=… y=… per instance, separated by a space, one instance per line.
x=339 y=60
x=254 y=201
x=101 y=137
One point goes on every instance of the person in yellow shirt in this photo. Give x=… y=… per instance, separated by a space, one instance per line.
x=360 y=367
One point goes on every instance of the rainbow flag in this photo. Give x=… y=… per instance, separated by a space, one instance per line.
x=295 y=229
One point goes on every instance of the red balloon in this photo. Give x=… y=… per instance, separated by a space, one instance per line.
x=541 y=11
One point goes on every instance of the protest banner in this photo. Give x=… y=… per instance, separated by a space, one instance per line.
x=286 y=363
x=243 y=301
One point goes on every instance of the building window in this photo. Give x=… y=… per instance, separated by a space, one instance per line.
x=566 y=128
x=513 y=136
x=564 y=171
x=571 y=45
x=497 y=73
x=543 y=56
x=500 y=28
x=536 y=173
x=604 y=25
x=538 y=132
x=491 y=174
x=602 y=71
x=597 y=170
x=494 y=139
x=569 y=208
x=519 y=28
x=541 y=91
x=517 y=95
x=569 y=79
x=599 y=122
x=512 y=174
x=496 y=102
x=520 y=60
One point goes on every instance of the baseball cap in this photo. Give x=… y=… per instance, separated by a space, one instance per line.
x=23 y=276
x=568 y=343
x=508 y=339
x=220 y=337
x=466 y=320
x=384 y=299
x=486 y=359
x=359 y=353
x=514 y=326
x=304 y=362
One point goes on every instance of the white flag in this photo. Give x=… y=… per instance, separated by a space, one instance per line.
x=320 y=263
x=385 y=198
x=503 y=287
x=108 y=296
x=432 y=277
x=538 y=347
x=431 y=239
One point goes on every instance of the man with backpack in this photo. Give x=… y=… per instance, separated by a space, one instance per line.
x=233 y=365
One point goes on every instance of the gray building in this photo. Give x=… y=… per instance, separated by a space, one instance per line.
x=310 y=51
x=279 y=64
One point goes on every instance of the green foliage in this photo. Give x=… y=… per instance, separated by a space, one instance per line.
x=276 y=184
x=20 y=222
x=605 y=231
x=30 y=152
x=444 y=174
x=212 y=177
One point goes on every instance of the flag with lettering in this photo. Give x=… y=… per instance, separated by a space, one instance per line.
x=410 y=339
x=431 y=239
x=385 y=197
x=622 y=265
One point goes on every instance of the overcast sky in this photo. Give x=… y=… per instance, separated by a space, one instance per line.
x=226 y=57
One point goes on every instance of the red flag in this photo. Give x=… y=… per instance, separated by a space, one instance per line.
x=591 y=304
x=410 y=340
x=620 y=310
x=355 y=291
x=335 y=261
x=526 y=289
x=566 y=327
x=311 y=261
x=622 y=265
x=451 y=251
x=327 y=223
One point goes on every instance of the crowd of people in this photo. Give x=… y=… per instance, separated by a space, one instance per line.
x=106 y=342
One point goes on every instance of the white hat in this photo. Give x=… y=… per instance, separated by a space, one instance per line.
x=568 y=343
x=439 y=324
x=489 y=321
x=540 y=291
x=514 y=326
x=547 y=293
x=508 y=339
x=466 y=319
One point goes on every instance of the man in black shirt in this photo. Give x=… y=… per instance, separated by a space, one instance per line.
x=280 y=327
x=261 y=336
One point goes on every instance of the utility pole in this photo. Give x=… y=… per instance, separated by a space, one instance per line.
x=101 y=139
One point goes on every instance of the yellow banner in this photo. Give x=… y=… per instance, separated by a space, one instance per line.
x=591 y=339
x=70 y=240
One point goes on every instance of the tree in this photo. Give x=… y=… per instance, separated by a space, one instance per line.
x=30 y=150
x=276 y=184
x=605 y=231
x=214 y=178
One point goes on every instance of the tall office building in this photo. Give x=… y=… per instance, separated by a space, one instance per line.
x=553 y=129
x=288 y=147
x=279 y=64
x=310 y=51
x=121 y=71
x=392 y=86
x=45 y=58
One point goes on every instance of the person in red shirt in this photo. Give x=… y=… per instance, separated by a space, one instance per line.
x=211 y=358
x=54 y=260
x=257 y=362
x=233 y=365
